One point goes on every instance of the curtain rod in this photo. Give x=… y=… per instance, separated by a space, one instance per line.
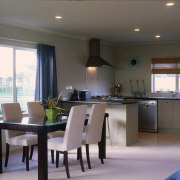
x=24 y=41
x=18 y=40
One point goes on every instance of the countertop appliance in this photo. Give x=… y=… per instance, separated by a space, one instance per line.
x=75 y=95
x=85 y=94
x=80 y=95
x=147 y=112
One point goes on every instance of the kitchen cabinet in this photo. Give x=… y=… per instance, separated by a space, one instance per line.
x=169 y=114
x=123 y=119
x=176 y=114
x=164 y=114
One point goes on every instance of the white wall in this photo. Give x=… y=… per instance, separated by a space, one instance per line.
x=145 y=52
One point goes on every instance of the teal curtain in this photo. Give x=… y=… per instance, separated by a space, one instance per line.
x=46 y=75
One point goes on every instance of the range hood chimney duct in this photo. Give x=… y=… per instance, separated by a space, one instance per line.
x=94 y=59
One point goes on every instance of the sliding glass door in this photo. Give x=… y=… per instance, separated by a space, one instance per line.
x=6 y=75
x=17 y=75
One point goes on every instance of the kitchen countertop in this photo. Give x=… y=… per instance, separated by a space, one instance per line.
x=153 y=97
x=123 y=99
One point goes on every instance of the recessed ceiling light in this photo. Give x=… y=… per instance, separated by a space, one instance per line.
x=58 y=17
x=157 y=36
x=169 y=4
x=136 y=29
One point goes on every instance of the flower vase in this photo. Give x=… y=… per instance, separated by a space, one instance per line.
x=51 y=115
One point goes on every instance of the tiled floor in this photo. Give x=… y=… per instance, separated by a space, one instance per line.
x=154 y=157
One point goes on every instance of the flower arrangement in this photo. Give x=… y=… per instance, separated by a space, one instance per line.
x=51 y=108
x=52 y=103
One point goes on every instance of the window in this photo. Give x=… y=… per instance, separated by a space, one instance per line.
x=164 y=82
x=165 y=74
x=17 y=75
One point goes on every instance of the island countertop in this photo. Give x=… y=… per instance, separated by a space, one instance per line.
x=123 y=118
x=108 y=101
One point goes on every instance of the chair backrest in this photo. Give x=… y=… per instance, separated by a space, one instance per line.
x=95 y=123
x=36 y=112
x=74 y=127
x=35 y=109
x=11 y=112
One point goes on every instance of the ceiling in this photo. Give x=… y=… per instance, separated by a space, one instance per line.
x=109 y=20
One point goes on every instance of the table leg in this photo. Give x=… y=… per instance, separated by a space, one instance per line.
x=102 y=143
x=42 y=154
x=1 y=170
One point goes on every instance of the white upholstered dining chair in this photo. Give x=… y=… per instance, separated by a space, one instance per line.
x=93 y=130
x=72 y=138
x=36 y=109
x=12 y=113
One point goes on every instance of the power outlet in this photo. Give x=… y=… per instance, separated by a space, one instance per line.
x=68 y=87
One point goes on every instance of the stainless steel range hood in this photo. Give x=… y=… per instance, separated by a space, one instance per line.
x=94 y=59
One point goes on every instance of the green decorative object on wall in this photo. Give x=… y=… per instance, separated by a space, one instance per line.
x=51 y=115
x=133 y=61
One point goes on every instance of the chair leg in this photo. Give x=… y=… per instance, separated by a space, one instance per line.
x=63 y=161
x=81 y=160
x=7 y=155
x=87 y=156
x=107 y=122
x=31 y=153
x=102 y=160
x=27 y=157
x=66 y=163
x=101 y=157
x=24 y=154
x=57 y=159
x=52 y=156
x=77 y=154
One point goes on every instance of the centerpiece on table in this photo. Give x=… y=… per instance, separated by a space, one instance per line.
x=51 y=108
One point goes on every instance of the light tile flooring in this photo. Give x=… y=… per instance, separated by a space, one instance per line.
x=154 y=157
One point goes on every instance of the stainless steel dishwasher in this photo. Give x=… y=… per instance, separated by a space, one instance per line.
x=147 y=112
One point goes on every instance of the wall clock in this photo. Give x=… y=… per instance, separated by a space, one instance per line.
x=133 y=61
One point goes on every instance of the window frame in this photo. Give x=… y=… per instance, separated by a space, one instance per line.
x=177 y=84
x=167 y=65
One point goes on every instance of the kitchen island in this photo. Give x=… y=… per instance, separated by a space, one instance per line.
x=123 y=118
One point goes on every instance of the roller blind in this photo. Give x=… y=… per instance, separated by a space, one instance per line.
x=165 y=65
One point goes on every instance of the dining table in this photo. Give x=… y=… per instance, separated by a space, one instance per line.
x=42 y=129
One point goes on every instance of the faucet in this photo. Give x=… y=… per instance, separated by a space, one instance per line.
x=173 y=94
